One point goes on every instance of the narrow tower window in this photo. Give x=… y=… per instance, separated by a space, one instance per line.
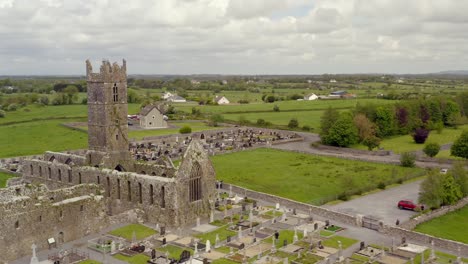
x=115 y=92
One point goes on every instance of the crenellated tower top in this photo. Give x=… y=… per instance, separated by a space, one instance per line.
x=108 y=72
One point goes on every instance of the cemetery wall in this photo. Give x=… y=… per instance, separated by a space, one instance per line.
x=416 y=237
x=353 y=151
x=33 y=214
x=412 y=223
x=316 y=210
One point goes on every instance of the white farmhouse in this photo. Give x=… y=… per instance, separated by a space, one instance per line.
x=311 y=97
x=221 y=100
x=151 y=116
x=176 y=99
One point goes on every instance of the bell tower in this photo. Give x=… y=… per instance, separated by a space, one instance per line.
x=107 y=115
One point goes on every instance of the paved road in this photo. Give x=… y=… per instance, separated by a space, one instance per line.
x=382 y=204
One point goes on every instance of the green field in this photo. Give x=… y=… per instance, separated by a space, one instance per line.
x=301 y=177
x=406 y=143
x=127 y=231
x=451 y=226
x=4 y=177
x=309 y=118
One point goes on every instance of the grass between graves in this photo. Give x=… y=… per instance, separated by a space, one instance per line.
x=174 y=251
x=302 y=177
x=136 y=259
x=89 y=261
x=4 y=178
x=224 y=261
x=346 y=242
x=448 y=226
x=222 y=232
x=126 y=232
x=445 y=258
x=406 y=143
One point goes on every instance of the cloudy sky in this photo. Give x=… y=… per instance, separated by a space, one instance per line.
x=234 y=36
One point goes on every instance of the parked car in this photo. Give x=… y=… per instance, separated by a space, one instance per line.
x=407 y=204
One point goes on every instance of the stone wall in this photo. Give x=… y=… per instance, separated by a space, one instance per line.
x=315 y=210
x=32 y=214
x=412 y=223
x=354 y=151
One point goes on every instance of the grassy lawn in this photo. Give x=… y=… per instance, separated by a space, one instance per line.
x=137 y=259
x=39 y=136
x=89 y=261
x=406 y=143
x=345 y=242
x=222 y=232
x=301 y=177
x=326 y=233
x=445 y=154
x=4 y=177
x=126 y=232
x=224 y=261
x=196 y=127
x=174 y=251
x=448 y=226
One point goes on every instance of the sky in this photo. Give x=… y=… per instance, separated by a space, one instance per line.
x=47 y=37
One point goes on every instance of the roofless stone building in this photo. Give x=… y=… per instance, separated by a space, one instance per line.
x=109 y=178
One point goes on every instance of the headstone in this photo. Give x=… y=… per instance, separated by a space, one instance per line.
x=198 y=221
x=208 y=246
x=157 y=226
x=327 y=223
x=240 y=232
x=133 y=238
x=113 y=247
x=277 y=206
x=295 y=237
x=254 y=204
x=433 y=256
x=34 y=259
x=285 y=242
x=294 y=211
x=212 y=216
x=273 y=246
x=164 y=241
x=228 y=239
x=403 y=240
x=315 y=226
x=305 y=232
x=153 y=253
x=285 y=261
x=362 y=245
x=217 y=241
x=195 y=251
x=422 y=258
x=230 y=190
x=163 y=231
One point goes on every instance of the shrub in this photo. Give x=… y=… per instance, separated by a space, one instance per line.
x=243 y=101
x=293 y=123
x=261 y=122
x=276 y=108
x=2 y=114
x=243 y=121
x=431 y=149
x=306 y=128
x=185 y=130
x=420 y=135
x=12 y=107
x=460 y=146
x=381 y=185
x=343 y=196
x=407 y=159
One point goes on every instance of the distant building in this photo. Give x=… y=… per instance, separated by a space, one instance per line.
x=194 y=82
x=224 y=82
x=221 y=100
x=152 y=116
x=337 y=93
x=176 y=99
x=311 y=97
x=166 y=95
x=333 y=81
x=341 y=94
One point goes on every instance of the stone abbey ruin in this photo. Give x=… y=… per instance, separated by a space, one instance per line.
x=63 y=197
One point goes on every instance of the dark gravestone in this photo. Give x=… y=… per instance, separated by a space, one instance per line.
x=163 y=230
x=362 y=245
x=153 y=253
x=320 y=244
x=228 y=239
x=184 y=256
x=294 y=211
x=243 y=207
x=205 y=261
x=276 y=235
x=403 y=240
x=221 y=184
x=164 y=241
x=327 y=222
x=315 y=226
x=242 y=246
x=255 y=240
x=254 y=204
x=285 y=242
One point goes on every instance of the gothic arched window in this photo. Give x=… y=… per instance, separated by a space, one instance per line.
x=195 y=184
x=115 y=93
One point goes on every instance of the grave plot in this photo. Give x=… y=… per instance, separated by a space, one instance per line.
x=133 y=231
x=107 y=244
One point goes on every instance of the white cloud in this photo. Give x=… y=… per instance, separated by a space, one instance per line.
x=234 y=36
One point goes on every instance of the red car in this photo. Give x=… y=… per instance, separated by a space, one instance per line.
x=407 y=204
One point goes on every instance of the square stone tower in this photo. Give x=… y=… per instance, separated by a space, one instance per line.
x=107 y=115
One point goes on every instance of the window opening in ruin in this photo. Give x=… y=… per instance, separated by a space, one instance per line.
x=52 y=159
x=61 y=214
x=129 y=191
x=59 y=175
x=68 y=161
x=140 y=196
x=143 y=172
x=32 y=169
x=119 y=168
x=163 y=197
x=17 y=224
x=79 y=178
x=98 y=179
x=81 y=208
x=117 y=137
x=151 y=194
x=18 y=191
x=70 y=176
x=108 y=187
x=60 y=237
x=195 y=193
x=115 y=92
x=40 y=171
x=118 y=189
x=40 y=218
x=50 y=173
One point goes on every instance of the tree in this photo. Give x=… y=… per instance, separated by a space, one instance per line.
x=327 y=120
x=2 y=114
x=431 y=149
x=365 y=127
x=431 y=190
x=451 y=190
x=420 y=135
x=293 y=123
x=276 y=108
x=343 y=133
x=401 y=116
x=215 y=120
x=407 y=159
x=270 y=99
x=71 y=94
x=371 y=142
x=384 y=121
x=460 y=174
x=460 y=146
x=451 y=113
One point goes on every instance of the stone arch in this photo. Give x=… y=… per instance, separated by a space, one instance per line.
x=153 y=173
x=163 y=197
x=52 y=159
x=195 y=184
x=151 y=194
x=59 y=175
x=60 y=237
x=202 y=136
x=31 y=168
x=143 y=172
x=68 y=161
x=108 y=187
x=119 y=168
x=140 y=193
